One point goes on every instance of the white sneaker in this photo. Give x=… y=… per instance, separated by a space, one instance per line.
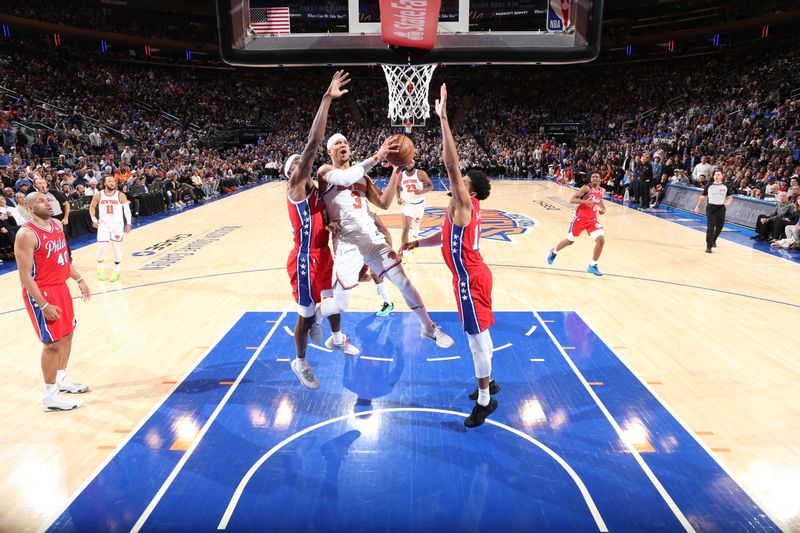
x=56 y=402
x=346 y=347
x=306 y=376
x=315 y=333
x=443 y=340
x=72 y=388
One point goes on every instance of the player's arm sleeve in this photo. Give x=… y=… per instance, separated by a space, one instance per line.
x=126 y=210
x=348 y=176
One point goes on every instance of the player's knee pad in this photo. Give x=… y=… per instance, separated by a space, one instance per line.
x=338 y=304
x=481 y=346
x=410 y=294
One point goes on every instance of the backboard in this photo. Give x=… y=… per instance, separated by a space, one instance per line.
x=347 y=32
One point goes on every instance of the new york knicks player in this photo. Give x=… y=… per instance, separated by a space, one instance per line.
x=113 y=220
x=346 y=189
x=414 y=184
x=44 y=266
x=472 y=279
x=310 y=264
x=590 y=203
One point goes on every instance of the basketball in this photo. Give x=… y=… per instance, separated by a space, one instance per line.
x=404 y=154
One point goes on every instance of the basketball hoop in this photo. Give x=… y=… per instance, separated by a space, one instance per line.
x=408 y=93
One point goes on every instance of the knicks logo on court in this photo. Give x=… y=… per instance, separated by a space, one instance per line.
x=496 y=225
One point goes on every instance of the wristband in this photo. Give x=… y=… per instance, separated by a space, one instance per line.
x=94 y=220
x=43 y=307
x=78 y=280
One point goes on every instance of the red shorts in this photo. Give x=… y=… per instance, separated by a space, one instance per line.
x=577 y=226
x=310 y=274
x=474 y=299
x=51 y=331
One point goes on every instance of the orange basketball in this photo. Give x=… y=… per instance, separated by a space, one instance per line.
x=404 y=154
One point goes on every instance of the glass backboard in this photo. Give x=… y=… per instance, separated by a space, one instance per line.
x=348 y=32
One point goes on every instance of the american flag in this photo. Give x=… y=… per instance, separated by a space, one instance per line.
x=275 y=20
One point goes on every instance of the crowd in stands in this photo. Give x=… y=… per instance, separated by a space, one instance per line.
x=120 y=18
x=72 y=120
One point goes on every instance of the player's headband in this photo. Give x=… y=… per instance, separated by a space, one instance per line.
x=334 y=139
x=288 y=165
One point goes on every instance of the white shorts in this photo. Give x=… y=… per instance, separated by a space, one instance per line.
x=349 y=259
x=110 y=232
x=414 y=211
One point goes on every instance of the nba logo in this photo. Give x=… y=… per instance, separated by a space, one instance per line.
x=557 y=15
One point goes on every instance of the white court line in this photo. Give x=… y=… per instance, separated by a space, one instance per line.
x=626 y=442
x=656 y=483
x=429 y=359
x=712 y=454
x=226 y=517
x=503 y=347
x=530 y=331
x=322 y=348
x=139 y=425
x=291 y=333
x=286 y=360
x=387 y=359
x=537 y=360
x=196 y=442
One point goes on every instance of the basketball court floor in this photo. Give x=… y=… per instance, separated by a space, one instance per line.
x=661 y=396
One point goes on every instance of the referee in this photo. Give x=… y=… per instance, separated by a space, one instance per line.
x=719 y=197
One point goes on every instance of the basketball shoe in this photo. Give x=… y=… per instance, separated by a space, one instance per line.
x=101 y=274
x=594 y=270
x=53 y=401
x=304 y=373
x=346 y=347
x=494 y=388
x=385 y=310
x=551 y=256
x=114 y=276
x=443 y=340
x=65 y=385
x=480 y=413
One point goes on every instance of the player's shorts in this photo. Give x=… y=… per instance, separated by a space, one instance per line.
x=578 y=225
x=378 y=256
x=414 y=211
x=110 y=232
x=51 y=331
x=310 y=274
x=474 y=298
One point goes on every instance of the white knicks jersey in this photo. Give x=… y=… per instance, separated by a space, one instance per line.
x=109 y=209
x=348 y=205
x=410 y=187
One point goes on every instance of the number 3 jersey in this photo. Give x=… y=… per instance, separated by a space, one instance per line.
x=348 y=205
x=51 y=255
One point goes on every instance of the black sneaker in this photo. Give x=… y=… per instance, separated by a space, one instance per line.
x=708 y=250
x=494 y=388
x=480 y=413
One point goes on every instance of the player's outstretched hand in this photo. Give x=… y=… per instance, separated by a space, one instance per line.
x=441 y=102
x=406 y=246
x=340 y=79
x=389 y=146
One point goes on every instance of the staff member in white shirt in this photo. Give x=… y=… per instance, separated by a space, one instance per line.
x=719 y=197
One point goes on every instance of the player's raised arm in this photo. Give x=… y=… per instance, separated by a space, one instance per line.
x=300 y=178
x=458 y=188
x=383 y=199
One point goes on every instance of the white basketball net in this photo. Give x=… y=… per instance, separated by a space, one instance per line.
x=408 y=91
